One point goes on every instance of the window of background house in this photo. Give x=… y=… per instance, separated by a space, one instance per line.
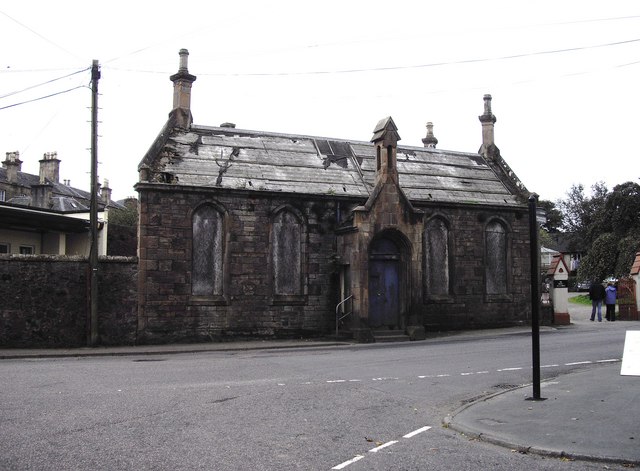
x=5 y=248
x=27 y=250
x=2 y=195
x=208 y=249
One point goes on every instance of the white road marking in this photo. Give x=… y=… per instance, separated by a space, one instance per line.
x=347 y=463
x=384 y=445
x=416 y=432
x=447 y=375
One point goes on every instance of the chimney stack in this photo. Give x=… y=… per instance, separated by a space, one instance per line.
x=430 y=141
x=488 y=120
x=13 y=164
x=182 y=82
x=50 y=168
x=105 y=192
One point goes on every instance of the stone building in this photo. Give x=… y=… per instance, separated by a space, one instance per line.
x=250 y=233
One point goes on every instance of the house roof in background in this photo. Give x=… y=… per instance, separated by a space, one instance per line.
x=22 y=218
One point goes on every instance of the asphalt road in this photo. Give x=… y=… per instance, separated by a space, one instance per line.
x=361 y=407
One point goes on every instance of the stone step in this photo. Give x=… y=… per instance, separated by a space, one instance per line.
x=390 y=336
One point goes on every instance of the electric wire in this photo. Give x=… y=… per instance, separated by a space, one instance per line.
x=399 y=67
x=43 y=97
x=39 y=35
x=44 y=83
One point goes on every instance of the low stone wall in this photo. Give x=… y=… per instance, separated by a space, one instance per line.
x=45 y=301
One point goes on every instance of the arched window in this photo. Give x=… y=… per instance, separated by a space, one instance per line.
x=496 y=258
x=207 y=252
x=286 y=254
x=436 y=254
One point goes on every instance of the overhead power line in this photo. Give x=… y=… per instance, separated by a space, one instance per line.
x=39 y=35
x=43 y=83
x=43 y=97
x=399 y=67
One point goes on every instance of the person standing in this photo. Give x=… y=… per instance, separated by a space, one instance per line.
x=610 y=300
x=596 y=295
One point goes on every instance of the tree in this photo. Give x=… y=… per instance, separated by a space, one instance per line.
x=611 y=222
x=127 y=216
x=554 y=216
x=622 y=209
x=600 y=261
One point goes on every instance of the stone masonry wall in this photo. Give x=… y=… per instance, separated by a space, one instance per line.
x=468 y=306
x=45 y=301
x=247 y=307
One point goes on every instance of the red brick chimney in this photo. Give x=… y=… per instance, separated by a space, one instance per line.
x=182 y=82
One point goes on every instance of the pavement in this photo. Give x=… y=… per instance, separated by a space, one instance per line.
x=592 y=414
x=585 y=415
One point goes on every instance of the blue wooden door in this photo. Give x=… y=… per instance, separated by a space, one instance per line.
x=384 y=284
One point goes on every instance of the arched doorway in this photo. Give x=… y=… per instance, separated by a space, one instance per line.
x=384 y=283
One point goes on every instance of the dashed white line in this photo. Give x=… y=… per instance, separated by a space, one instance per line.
x=578 y=363
x=608 y=361
x=380 y=447
x=416 y=432
x=347 y=463
x=384 y=445
x=549 y=366
x=509 y=369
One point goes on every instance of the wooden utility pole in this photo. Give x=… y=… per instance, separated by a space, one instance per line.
x=93 y=254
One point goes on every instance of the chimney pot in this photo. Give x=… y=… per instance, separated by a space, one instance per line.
x=430 y=141
x=184 y=60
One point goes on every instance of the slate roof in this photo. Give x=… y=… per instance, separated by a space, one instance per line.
x=64 y=198
x=225 y=157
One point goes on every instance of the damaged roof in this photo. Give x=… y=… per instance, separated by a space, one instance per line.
x=230 y=158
